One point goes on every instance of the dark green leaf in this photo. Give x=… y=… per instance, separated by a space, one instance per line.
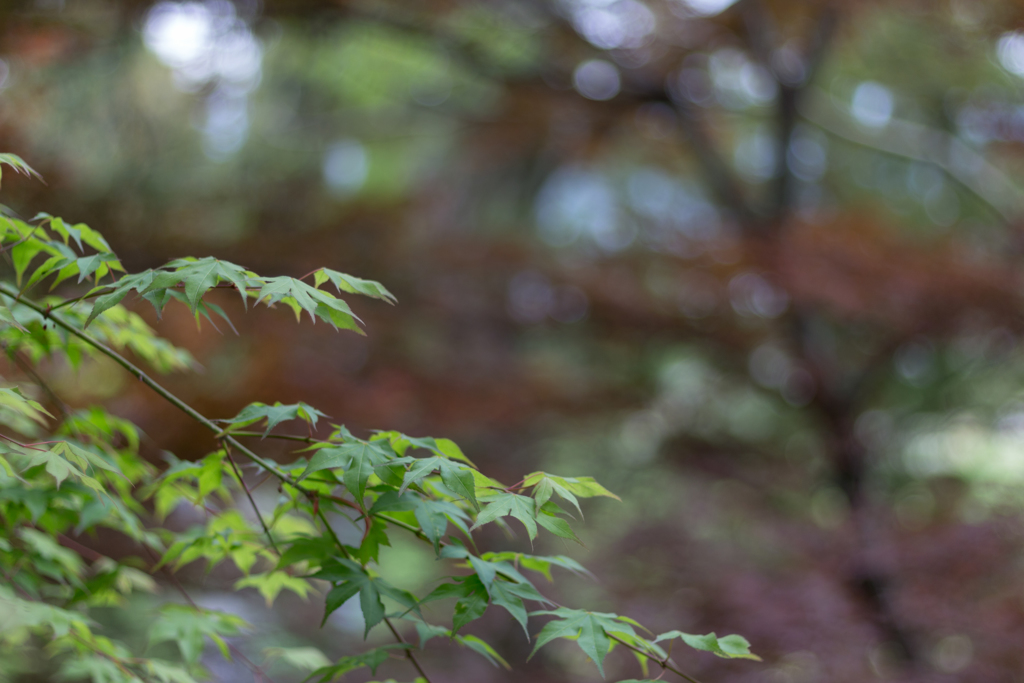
x=337 y=597
x=373 y=608
x=363 y=458
x=391 y=501
x=485 y=571
x=503 y=594
x=469 y=608
x=431 y=517
x=369 y=548
x=420 y=469
x=459 y=479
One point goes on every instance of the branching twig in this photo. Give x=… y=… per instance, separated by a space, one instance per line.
x=188 y=410
x=229 y=439
x=248 y=494
x=664 y=664
x=286 y=437
x=408 y=651
x=29 y=446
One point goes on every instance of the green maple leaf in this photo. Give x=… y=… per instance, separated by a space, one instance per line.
x=349 y=579
x=457 y=477
x=469 y=608
x=353 y=285
x=198 y=276
x=433 y=521
x=302 y=297
x=18 y=164
x=510 y=504
x=138 y=282
x=272 y=583
x=363 y=458
x=538 y=563
x=315 y=549
x=188 y=626
x=567 y=487
x=493 y=582
x=12 y=398
x=727 y=647
x=274 y=415
x=432 y=515
x=589 y=629
x=62 y=461
x=428 y=631
x=358 y=459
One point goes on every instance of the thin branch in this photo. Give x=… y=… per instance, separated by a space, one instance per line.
x=262 y=481
x=663 y=664
x=84 y=551
x=408 y=527
x=106 y=290
x=121 y=664
x=184 y=407
x=408 y=651
x=72 y=302
x=920 y=143
x=144 y=378
x=63 y=408
x=9 y=247
x=286 y=437
x=342 y=501
x=17 y=587
x=30 y=446
x=334 y=535
x=248 y=494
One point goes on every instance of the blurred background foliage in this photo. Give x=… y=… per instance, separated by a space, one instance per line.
x=754 y=265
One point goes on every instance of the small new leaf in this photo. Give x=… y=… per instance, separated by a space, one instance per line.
x=18 y=164
x=353 y=285
x=272 y=583
x=727 y=647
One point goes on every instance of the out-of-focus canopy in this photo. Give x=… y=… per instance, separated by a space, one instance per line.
x=758 y=261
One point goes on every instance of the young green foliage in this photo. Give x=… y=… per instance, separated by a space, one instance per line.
x=73 y=472
x=18 y=164
x=727 y=647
